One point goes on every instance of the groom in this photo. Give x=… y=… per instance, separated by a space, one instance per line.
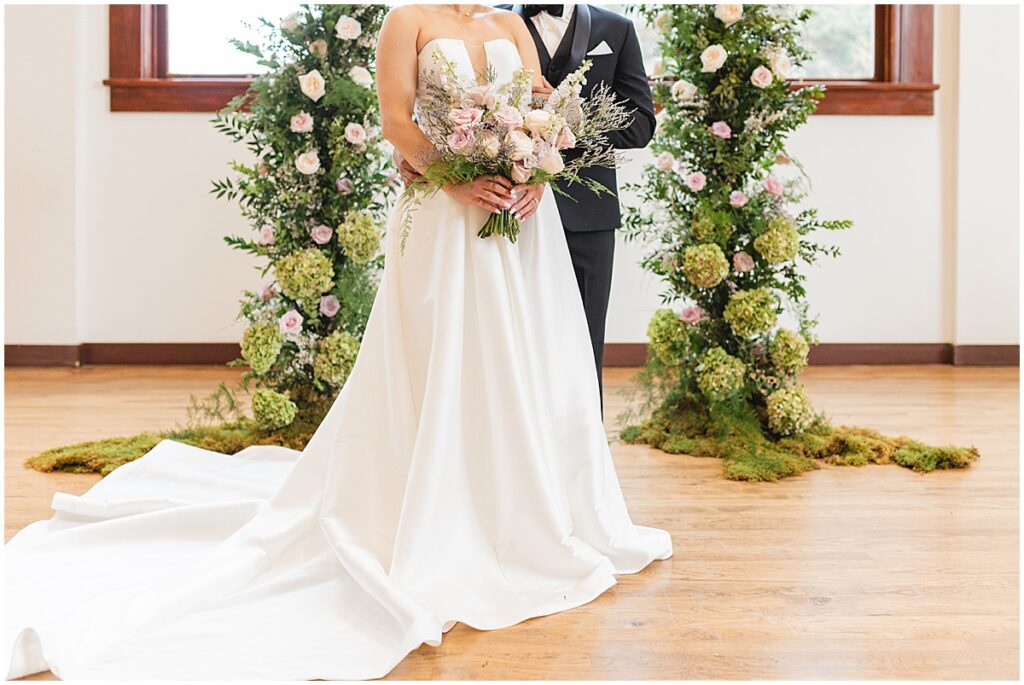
x=566 y=35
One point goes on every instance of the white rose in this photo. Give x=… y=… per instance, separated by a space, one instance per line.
x=683 y=90
x=536 y=121
x=355 y=133
x=781 y=64
x=551 y=162
x=665 y=161
x=308 y=162
x=520 y=143
x=658 y=68
x=302 y=123
x=361 y=76
x=663 y=22
x=290 y=22
x=312 y=85
x=490 y=145
x=762 y=77
x=713 y=58
x=729 y=14
x=348 y=28
x=319 y=48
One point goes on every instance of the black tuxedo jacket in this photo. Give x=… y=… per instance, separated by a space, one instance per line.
x=623 y=70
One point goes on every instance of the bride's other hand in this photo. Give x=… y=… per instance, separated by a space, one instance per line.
x=528 y=199
x=493 y=193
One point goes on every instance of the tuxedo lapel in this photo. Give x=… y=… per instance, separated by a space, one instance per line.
x=542 y=51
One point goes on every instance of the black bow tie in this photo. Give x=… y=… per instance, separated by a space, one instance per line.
x=534 y=10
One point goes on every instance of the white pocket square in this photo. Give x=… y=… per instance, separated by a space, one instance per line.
x=601 y=49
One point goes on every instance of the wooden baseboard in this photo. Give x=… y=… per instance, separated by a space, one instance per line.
x=615 y=354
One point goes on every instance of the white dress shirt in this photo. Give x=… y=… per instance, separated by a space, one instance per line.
x=552 y=29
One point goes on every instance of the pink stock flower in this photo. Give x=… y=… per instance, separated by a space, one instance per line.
x=465 y=117
x=696 y=181
x=329 y=305
x=290 y=322
x=721 y=129
x=737 y=198
x=773 y=186
x=691 y=315
x=461 y=139
x=321 y=234
x=742 y=262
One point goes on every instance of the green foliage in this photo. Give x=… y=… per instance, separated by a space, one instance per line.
x=317 y=161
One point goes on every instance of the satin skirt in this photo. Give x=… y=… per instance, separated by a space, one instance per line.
x=462 y=475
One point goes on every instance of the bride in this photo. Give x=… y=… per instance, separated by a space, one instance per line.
x=462 y=475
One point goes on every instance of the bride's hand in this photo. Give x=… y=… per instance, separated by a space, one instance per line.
x=493 y=193
x=528 y=199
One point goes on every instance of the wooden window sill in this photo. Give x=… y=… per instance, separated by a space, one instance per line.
x=875 y=98
x=173 y=94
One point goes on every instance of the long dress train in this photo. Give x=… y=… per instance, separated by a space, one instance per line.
x=463 y=474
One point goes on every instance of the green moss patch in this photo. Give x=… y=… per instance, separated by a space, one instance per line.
x=734 y=434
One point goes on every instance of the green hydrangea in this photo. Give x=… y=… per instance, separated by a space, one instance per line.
x=272 y=410
x=359 y=236
x=304 y=276
x=710 y=227
x=261 y=343
x=705 y=265
x=720 y=374
x=667 y=334
x=789 y=411
x=334 y=358
x=780 y=242
x=789 y=351
x=750 y=312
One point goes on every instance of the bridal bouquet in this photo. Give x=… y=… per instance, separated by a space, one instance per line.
x=487 y=129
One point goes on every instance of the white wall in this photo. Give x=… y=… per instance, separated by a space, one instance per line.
x=124 y=244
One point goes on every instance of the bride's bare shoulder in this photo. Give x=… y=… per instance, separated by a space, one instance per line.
x=404 y=16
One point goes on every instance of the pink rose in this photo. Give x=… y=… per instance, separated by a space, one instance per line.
x=465 y=117
x=742 y=262
x=691 y=315
x=355 y=133
x=762 y=77
x=461 y=139
x=480 y=96
x=302 y=123
x=290 y=322
x=737 y=199
x=329 y=305
x=721 y=129
x=344 y=186
x=566 y=139
x=521 y=173
x=696 y=181
x=509 y=117
x=321 y=234
x=266 y=235
x=521 y=144
x=319 y=48
x=773 y=186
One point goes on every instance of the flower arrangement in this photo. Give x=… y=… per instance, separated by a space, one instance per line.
x=486 y=128
x=716 y=212
x=315 y=195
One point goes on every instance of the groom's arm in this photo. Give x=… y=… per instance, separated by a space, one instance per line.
x=631 y=86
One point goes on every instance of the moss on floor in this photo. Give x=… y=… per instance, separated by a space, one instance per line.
x=734 y=434
x=103 y=456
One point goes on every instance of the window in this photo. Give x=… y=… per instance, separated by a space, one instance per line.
x=874 y=59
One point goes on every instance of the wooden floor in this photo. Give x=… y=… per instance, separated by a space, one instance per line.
x=842 y=573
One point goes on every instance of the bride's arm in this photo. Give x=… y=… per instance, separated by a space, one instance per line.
x=527 y=51
x=398 y=57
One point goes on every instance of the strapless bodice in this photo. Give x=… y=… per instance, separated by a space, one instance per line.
x=502 y=56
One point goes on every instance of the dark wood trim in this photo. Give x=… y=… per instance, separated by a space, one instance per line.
x=615 y=354
x=173 y=94
x=41 y=355
x=986 y=355
x=875 y=98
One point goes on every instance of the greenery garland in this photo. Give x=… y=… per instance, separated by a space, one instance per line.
x=717 y=215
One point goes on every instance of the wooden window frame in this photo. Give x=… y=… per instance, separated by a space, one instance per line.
x=139 y=82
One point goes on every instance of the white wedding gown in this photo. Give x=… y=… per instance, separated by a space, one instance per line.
x=463 y=474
